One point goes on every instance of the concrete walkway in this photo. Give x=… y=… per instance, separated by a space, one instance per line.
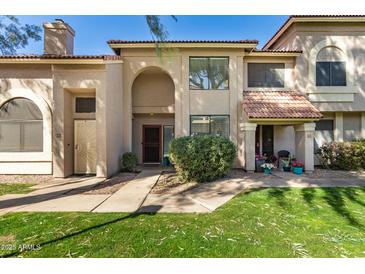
x=50 y=197
x=131 y=196
x=135 y=196
x=68 y=195
x=209 y=196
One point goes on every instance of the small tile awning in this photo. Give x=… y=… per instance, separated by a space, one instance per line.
x=278 y=105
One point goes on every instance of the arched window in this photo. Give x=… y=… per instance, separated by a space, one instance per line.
x=330 y=67
x=21 y=126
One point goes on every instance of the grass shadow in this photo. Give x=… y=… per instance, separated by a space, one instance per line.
x=279 y=195
x=335 y=197
x=140 y=211
x=308 y=195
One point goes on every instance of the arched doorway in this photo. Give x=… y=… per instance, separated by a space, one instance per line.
x=153 y=121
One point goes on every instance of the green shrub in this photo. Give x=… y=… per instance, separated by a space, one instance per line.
x=343 y=155
x=129 y=161
x=202 y=158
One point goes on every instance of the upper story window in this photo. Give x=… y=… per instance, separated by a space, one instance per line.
x=208 y=73
x=21 y=126
x=85 y=105
x=266 y=75
x=330 y=67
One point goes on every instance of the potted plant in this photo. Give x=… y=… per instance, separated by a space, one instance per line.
x=297 y=167
x=286 y=165
x=259 y=161
x=267 y=168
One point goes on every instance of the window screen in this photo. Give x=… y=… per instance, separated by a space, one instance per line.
x=208 y=73
x=85 y=105
x=209 y=125
x=266 y=74
x=21 y=127
x=331 y=74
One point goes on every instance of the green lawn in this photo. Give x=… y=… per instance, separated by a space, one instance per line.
x=15 y=188
x=272 y=222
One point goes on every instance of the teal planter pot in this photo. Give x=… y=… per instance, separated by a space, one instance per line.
x=267 y=171
x=298 y=170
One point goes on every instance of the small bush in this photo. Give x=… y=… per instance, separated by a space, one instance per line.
x=129 y=161
x=202 y=158
x=343 y=155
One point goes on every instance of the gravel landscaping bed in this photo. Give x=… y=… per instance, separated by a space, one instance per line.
x=170 y=183
x=26 y=179
x=109 y=186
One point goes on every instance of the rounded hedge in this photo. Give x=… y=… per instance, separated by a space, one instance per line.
x=202 y=158
x=129 y=161
x=343 y=155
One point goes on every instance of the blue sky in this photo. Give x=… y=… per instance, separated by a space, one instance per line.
x=92 y=32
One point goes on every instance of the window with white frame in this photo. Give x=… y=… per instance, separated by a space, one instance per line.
x=21 y=126
x=330 y=67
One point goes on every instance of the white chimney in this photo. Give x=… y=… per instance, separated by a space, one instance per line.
x=58 y=38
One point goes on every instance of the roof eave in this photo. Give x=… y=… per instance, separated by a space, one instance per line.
x=319 y=19
x=274 y=54
x=60 y=61
x=282 y=120
x=184 y=45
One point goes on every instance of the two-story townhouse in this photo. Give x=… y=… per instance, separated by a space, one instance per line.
x=65 y=114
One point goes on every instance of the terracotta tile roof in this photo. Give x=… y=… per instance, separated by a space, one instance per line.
x=183 y=41
x=278 y=51
x=278 y=104
x=51 y=56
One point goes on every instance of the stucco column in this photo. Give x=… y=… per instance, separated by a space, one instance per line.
x=247 y=146
x=338 y=132
x=304 y=145
x=362 y=125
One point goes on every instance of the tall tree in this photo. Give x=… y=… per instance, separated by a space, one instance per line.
x=14 y=35
x=158 y=31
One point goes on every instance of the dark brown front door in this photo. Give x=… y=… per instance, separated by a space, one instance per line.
x=151 y=143
x=268 y=140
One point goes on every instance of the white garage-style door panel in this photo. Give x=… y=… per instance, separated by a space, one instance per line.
x=85 y=147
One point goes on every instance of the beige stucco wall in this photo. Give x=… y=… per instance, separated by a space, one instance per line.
x=114 y=117
x=139 y=120
x=153 y=91
x=284 y=139
x=195 y=102
x=53 y=88
x=33 y=82
x=349 y=38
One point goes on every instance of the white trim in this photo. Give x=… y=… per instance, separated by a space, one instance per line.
x=342 y=93
x=46 y=154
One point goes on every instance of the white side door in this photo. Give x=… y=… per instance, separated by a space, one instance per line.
x=85 y=147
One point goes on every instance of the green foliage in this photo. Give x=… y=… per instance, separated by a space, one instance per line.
x=129 y=161
x=159 y=32
x=15 y=188
x=343 y=155
x=202 y=158
x=259 y=223
x=14 y=35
